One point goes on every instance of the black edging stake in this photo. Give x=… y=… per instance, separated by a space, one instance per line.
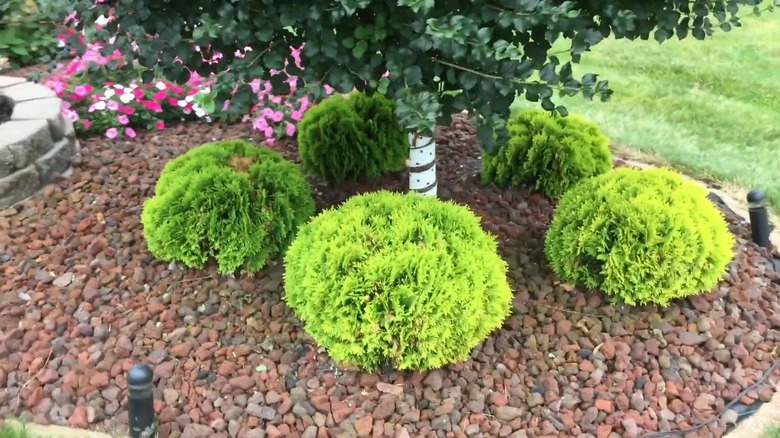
x=759 y=219
x=140 y=402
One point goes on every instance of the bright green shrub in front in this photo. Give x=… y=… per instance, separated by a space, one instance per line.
x=233 y=201
x=397 y=279
x=548 y=153
x=352 y=138
x=641 y=236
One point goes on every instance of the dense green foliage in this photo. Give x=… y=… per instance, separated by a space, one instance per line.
x=548 y=153
x=442 y=56
x=352 y=138
x=402 y=280
x=641 y=236
x=27 y=32
x=232 y=201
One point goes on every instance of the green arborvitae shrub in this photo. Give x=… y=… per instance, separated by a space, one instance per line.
x=548 y=153
x=642 y=236
x=233 y=201
x=352 y=138
x=402 y=280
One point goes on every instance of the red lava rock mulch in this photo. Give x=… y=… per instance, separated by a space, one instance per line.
x=81 y=300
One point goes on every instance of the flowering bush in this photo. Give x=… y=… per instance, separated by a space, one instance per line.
x=117 y=110
x=121 y=105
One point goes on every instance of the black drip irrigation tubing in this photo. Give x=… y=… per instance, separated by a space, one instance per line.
x=775 y=262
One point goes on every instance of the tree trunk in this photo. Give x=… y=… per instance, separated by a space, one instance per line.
x=422 y=165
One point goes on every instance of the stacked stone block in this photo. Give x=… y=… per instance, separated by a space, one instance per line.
x=36 y=145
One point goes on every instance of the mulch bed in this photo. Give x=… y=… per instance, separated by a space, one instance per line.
x=82 y=299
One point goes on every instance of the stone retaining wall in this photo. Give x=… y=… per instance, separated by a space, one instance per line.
x=36 y=145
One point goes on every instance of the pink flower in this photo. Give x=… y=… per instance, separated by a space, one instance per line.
x=70 y=17
x=194 y=79
x=260 y=124
x=71 y=115
x=305 y=103
x=91 y=56
x=126 y=110
x=255 y=84
x=57 y=86
x=112 y=105
x=296 y=54
x=328 y=89
x=139 y=93
x=296 y=115
x=123 y=119
x=111 y=133
x=269 y=113
x=290 y=129
x=160 y=124
x=154 y=106
x=86 y=123
x=130 y=132
x=173 y=101
x=268 y=132
x=160 y=95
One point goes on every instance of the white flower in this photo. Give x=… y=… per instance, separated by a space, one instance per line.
x=127 y=97
x=108 y=93
x=160 y=85
x=119 y=87
x=99 y=106
x=101 y=21
x=189 y=98
x=182 y=103
x=199 y=112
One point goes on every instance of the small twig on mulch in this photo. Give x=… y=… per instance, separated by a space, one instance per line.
x=571 y=312
x=19 y=394
x=185 y=280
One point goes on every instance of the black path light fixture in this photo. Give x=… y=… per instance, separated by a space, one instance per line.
x=140 y=402
x=759 y=218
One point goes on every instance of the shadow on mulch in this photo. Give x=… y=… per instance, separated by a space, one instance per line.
x=82 y=300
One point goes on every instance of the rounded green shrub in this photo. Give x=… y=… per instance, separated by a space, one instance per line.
x=352 y=138
x=402 y=280
x=642 y=236
x=233 y=201
x=548 y=153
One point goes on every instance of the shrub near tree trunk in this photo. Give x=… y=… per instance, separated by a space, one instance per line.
x=442 y=56
x=548 y=153
x=352 y=138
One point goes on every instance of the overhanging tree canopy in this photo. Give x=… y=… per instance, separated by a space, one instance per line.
x=443 y=56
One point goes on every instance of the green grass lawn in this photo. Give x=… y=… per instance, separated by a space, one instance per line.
x=11 y=432
x=773 y=432
x=710 y=108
